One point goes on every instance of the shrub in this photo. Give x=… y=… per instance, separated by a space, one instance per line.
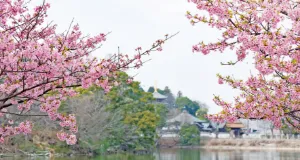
x=189 y=135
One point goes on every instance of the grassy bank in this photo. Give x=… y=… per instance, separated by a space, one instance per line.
x=233 y=144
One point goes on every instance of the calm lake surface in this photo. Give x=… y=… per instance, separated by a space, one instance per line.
x=197 y=154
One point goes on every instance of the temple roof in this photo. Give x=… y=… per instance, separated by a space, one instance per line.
x=185 y=117
x=235 y=125
x=157 y=95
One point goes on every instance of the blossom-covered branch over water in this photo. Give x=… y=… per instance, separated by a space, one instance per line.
x=41 y=67
x=258 y=28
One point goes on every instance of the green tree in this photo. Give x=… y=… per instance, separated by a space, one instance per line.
x=162 y=111
x=124 y=119
x=170 y=97
x=167 y=90
x=137 y=111
x=189 y=135
x=187 y=104
x=201 y=113
x=179 y=94
x=151 y=90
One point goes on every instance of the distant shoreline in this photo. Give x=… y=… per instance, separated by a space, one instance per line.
x=242 y=144
x=232 y=148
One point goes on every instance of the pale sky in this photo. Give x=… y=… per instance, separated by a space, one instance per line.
x=139 y=23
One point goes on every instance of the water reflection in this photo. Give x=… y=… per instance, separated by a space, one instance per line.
x=195 y=154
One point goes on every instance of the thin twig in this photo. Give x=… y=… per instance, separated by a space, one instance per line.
x=17 y=114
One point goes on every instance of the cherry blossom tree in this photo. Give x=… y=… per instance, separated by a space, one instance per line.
x=40 y=67
x=268 y=30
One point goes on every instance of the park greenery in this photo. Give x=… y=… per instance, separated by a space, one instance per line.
x=125 y=119
x=189 y=135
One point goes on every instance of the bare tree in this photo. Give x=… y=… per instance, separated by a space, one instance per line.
x=93 y=119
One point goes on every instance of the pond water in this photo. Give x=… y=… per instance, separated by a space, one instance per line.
x=198 y=154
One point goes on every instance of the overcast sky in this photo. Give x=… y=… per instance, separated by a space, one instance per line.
x=139 y=23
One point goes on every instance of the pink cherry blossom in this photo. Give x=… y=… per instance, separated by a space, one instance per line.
x=71 y=139
x=257 y=29
x=41 y=67
x=62 y=136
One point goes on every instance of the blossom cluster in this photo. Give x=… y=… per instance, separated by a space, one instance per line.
x=268 y=31
x=40 y=67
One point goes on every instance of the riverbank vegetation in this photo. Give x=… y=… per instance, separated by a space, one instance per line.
x=126 y=119
x=189 y=135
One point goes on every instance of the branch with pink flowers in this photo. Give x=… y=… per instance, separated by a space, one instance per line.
x=40 y=66
x=257 y=30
